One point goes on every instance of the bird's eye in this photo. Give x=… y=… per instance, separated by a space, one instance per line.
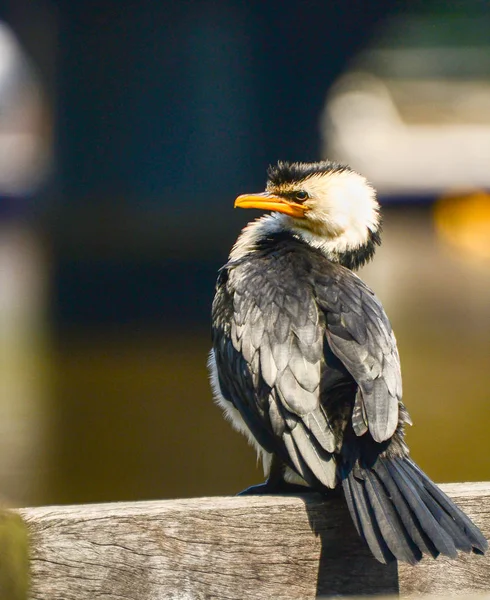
x=301 y=196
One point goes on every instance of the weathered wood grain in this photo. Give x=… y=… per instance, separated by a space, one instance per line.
x=231 y=548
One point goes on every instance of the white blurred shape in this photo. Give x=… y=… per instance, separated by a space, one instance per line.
x=25 y=141
x=411 y=136
x=9 y=53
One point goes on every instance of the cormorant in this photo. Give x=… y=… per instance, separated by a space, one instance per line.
x=305 y=363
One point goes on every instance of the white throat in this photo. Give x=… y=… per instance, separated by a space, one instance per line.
x=275 y=223
x=256 y=230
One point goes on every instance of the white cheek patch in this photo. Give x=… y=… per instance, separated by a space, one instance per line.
x=343 y=211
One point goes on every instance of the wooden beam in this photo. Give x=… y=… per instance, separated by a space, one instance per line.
x=231 y=548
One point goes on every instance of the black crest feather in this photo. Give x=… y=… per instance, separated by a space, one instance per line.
x=289 y=172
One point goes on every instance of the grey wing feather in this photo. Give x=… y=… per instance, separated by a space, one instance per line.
x=267 y=364
x=360 y=335
x=284 y=338
x=359 y=417
x=299 y=375
x=321 y=463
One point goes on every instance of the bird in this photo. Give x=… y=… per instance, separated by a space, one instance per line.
x=304 y=363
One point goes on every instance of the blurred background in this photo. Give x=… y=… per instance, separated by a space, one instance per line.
x=126 y=131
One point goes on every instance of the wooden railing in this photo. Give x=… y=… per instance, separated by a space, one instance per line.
x=267 y=548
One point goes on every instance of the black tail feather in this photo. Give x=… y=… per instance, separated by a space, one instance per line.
x=474 y=535
x=435 y=532
x=445 y=519
x=413 y=527
x=351 y=503
x=370 y=531
x=390 y=523
x=402 y=515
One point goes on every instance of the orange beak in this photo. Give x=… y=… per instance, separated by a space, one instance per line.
x=267 y=201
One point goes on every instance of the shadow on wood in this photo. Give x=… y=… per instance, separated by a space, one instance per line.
x=346 y=566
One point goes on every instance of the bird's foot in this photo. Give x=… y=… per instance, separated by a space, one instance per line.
x=273 y=488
